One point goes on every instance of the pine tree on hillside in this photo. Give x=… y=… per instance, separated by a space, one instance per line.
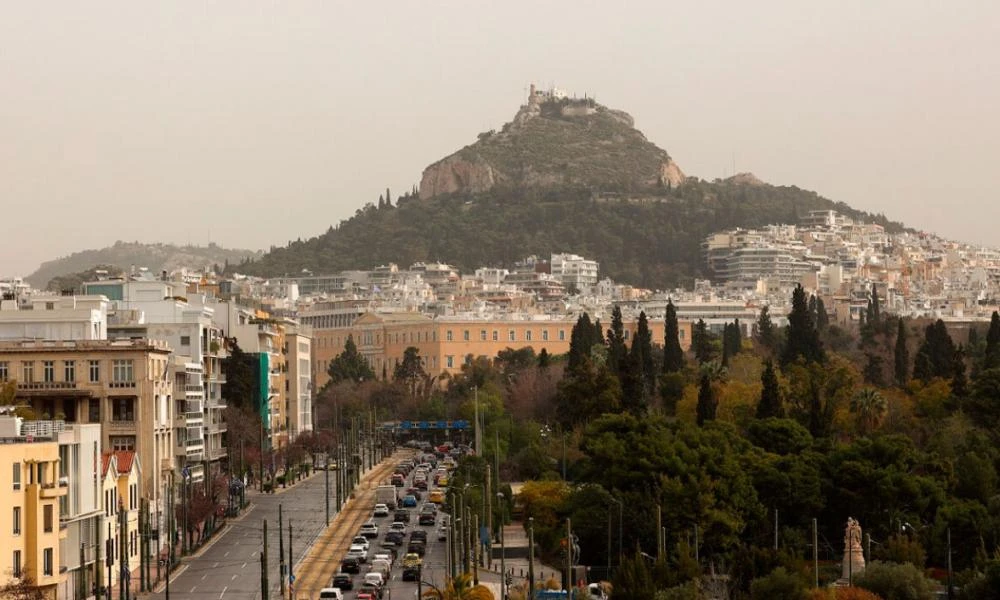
x=581 y=340
x=707 y=402
x=673 y=355
x=901 y=356
x=936 y=357
x=770 y=394
x=802 y=339
x=350 y=365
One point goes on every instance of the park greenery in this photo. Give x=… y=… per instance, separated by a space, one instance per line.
x=731 y=439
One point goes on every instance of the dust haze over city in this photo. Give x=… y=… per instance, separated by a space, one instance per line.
x=252 y=124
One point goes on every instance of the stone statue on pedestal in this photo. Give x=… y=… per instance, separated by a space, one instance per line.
x=854 y=558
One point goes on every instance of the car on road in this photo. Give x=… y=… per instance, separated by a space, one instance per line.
x=365 y=595
x=350 y=565
x=403 y=516
x=442 y=533
x=415 y=492
x=398 y=479
x=418 y=547
x=398 y=526
x=409 y=501
x=369 y=530
x=371 y=589
x=395 y=538
x=375 y=577
x=342 y=581
x=358 y=552
x=411 y=567
x=331 y=594
x=420 y=483
x=436 y=497
x=361 y=541
x=427 y=519
x=419 y=534
x=381 y=510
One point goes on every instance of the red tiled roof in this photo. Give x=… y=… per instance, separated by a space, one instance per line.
x=123 y=460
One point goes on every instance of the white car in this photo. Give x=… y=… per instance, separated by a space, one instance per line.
x=375 y=577
x=361 y=540
x=398 y=526
x=369 y=530
x=383 y=556
x=381 y=510
x=357 y=551
x=331 y=593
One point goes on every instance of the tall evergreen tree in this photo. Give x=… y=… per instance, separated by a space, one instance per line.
x=707 y=402
x=901 y=355
x=673 y=355
x=802 y=338
x=634 y=398
x=616 y=342
x=766 y=332
x=642 y=350
x=350 y=365
x=936 y=357
x=544 y=359
x=580 y=342
x=770 y=394
x=991 y=360
x=874 y=310
x=959 y=380
x=822 y=317
x=701 y=342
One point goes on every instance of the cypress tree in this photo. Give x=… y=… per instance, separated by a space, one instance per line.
x=642 y=350
x=992 y=358
x=901 y=355
x=770 y=394
x=544 y=359
x=936 y=357
x=673 y=355
x=616 y=342
x=822 y=317
x=874 y=310
x=701 y=342
x=766 y=335
x=959 y=381
x=580 y=342
x=802 y=338
x=707 y=403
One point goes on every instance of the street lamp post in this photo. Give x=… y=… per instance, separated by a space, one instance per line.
x=620 y=506
x=503 y=549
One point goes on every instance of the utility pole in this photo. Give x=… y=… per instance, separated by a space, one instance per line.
x=489 y=515
x=263 y=566
x=815 y=556
x=123 y=552
x=776 y=529
x=170 y=532
x=659 y=532
x=531 y=558
x=475 y=551
x=98 y=568
x=291 y=575
x=569 y=557
x=326 y=484
x=281 y=554
x=951 y=590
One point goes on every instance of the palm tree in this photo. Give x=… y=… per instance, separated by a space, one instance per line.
x=460 y=588
x=870 y=407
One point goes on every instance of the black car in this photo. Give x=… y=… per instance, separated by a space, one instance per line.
x=403 y=516
x=343 y=581
x=394 y=537
x=426 y=518
x=350 y=565
x=417 y=547
x=419 y=535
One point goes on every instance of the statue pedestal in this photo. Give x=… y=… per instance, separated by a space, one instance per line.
x=853 y=564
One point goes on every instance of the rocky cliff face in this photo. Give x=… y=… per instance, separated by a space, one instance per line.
x=556 y=142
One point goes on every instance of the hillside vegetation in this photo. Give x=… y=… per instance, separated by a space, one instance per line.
x=124 y=255
x=652 y=240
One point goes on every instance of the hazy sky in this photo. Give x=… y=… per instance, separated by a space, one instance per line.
x=251 y=124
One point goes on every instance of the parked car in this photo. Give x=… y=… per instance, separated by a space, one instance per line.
x=342 y=581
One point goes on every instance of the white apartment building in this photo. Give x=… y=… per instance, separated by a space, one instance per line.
x=55 y=318
x=573 y=271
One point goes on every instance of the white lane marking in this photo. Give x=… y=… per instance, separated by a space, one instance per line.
x=244 y=566
x=193 y=589
x=204 y=576
x=226 y=554
x=223 y=592
x=215 y=566
x=233 y=579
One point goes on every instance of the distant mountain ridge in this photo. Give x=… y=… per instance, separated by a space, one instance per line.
x=125 y=255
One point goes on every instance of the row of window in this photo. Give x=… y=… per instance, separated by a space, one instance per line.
x=511 y=335
x=122 y=370
x=47 y=558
